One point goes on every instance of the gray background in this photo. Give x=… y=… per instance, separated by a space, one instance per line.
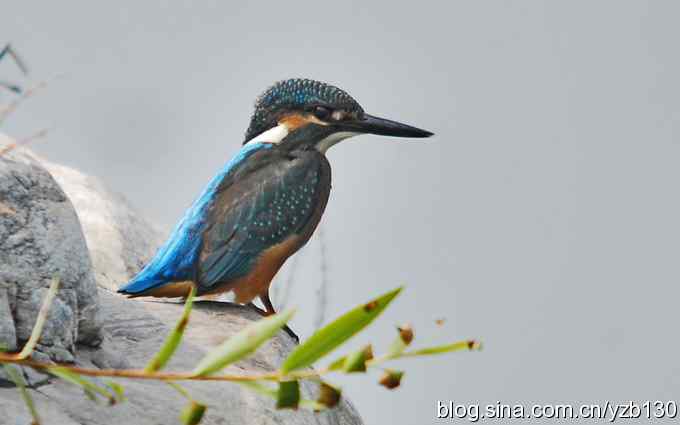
x=543 y=217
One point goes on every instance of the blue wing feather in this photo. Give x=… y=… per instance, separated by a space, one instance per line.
x=175 y=260
x=275 y=200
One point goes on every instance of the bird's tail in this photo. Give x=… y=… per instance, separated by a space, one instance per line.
x=143 y=286
x=142 y=283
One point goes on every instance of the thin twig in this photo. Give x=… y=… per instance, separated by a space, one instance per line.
x=189 y=376
x=12 y=106
x=322 y=291
x=9 y=50
x=158 y=376
x=10 y=87
x=26 y=140
x=180 y=389
x=37 y=135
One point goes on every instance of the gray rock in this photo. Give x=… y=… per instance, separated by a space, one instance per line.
x=120 y=240
x=134 y=331
x=13 y=411
x=40 y=238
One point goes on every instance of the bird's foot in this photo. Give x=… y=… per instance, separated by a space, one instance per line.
x=264 y=313
x=292 y=334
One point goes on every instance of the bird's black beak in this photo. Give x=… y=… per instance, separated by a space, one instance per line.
x=384 y=127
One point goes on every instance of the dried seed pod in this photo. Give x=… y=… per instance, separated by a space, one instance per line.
x=391 y=379
x=329 y=396
x=406 y=333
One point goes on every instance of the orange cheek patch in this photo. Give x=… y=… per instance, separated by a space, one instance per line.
x=294 y=121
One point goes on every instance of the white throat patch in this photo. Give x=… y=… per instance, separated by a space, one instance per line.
x=273 y=135
x=334 y=138
x=277 y=134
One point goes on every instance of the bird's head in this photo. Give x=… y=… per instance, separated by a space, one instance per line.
x=316 y=114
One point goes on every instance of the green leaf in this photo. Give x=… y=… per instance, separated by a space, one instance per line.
x=270 y=392
x=288 y=396
x=242 y=344
x=337 y=364
x=118 y=391
x=180 y=389
x=17 y=377
x=193 y=413
x=40 y=320
x=337 y=332
x=172 y=341
x=260 y=388
x=90 y=388
x=356 y=362
x=448 y=348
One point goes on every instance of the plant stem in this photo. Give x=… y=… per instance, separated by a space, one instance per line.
x=161 y=376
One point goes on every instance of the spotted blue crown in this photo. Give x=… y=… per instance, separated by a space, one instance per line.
x=296 y=94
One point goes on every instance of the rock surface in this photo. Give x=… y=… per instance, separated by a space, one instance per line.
x=134 y=330
x=40 y=238
x=36 y=219
x=120 y=241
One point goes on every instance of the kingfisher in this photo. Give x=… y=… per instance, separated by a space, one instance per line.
x=266 y=202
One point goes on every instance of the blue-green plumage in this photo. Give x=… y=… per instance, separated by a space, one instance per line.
x=257 y=201
x=176 y=259
x=278 y=196
x=267 y=201
x=296 y=93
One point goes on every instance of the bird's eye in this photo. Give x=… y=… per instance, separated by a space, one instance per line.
x=321 y=112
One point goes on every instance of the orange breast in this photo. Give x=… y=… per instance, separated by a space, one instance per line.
x=257 y=282
x=170 y=290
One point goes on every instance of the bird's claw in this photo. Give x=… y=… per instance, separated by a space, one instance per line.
x=292 y=334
